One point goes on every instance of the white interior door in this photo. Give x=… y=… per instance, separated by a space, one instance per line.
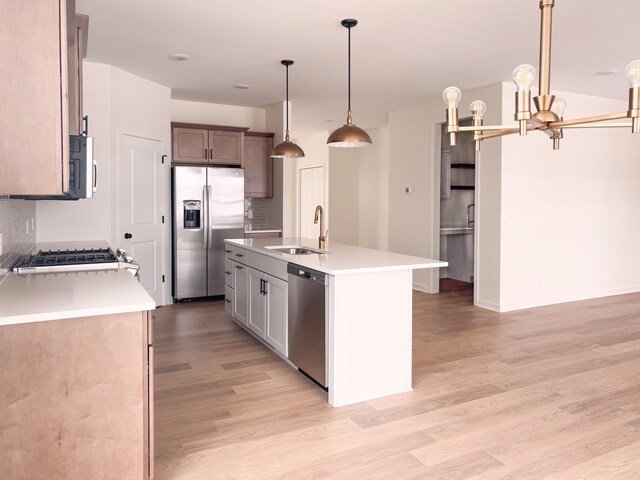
x=311 y=183
x=139 y=206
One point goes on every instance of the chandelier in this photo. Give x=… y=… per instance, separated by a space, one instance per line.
x=549 y=115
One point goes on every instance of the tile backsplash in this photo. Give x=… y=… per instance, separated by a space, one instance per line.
x=17 y=226
x=255 y=214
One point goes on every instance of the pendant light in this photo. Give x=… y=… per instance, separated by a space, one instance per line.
x=287 y=149
x=349 y=135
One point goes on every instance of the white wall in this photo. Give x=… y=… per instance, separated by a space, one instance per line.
x=414 y=161
x=216 y=114
x=344 y=194
x=570 y=227
x=373 y=191
x=359 y=192
x=88 y=219
x=117 y=102
x=316 y=155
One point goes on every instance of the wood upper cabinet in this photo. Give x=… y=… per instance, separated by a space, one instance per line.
x=76 y=51
x=207 y=144
x=258 y=165
x=35 y=114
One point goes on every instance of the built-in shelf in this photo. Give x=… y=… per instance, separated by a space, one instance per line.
x=463 y=165
x=463 y=187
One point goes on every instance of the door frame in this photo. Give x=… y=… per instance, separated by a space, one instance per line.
x=433 y=219
x=165 y=206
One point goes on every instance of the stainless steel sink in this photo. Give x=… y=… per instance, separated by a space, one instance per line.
x=295 y=249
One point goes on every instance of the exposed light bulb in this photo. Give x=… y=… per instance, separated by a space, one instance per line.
x=452 y=96
x=477 y=108
x=632 y=72
x=559 y=106
x=523 y=76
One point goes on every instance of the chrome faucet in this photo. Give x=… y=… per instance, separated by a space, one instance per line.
x=322 y=239
x=469 y=216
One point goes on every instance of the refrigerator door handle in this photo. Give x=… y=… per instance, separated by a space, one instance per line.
x=205 y=214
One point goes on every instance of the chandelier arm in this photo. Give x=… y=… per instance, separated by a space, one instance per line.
x=597 y=118
x=501 y=133
x=600 y=125
x=486 y=127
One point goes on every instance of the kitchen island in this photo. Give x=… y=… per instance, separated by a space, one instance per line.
x=368 y=304
x=76 y=397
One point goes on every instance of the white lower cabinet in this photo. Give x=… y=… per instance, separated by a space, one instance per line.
x=258 y=300
x=276 y=333
x=240 y=301
x=257 y=303
x=268 y=309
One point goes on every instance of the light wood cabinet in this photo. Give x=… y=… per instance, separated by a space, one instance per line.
x=76 y=398
x=194 y=143
x=258 y=165
x=40 y=94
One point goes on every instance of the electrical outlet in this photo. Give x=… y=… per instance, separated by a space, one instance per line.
x=249 y=214
x=408 y=189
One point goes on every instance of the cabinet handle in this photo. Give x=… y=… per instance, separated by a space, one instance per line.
x=206 y=154
x=227 y=273
x=265 y=291
x=227 y=251
x=227 y=300
x=238 y=267
x=85 y=122
x=261 y=286
x=211 y=154
x=239 y=255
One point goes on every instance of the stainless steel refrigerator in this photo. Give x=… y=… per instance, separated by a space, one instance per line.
x=208 y=207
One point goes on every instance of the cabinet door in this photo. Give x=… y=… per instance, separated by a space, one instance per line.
x=258 y=167
x=276 y=334
x=34 y=114
x=240 y=302
x=257 y=303
x=76 y=38
x=190 y=145
x=225 y=147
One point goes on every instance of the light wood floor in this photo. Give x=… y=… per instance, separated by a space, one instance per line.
x=548 y=393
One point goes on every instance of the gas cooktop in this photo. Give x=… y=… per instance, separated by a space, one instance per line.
x=68 y=260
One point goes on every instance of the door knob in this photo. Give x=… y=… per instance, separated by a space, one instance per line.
x=127 y=236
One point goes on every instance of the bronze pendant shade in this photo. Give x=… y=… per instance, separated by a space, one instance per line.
x=287 y=149
x=349 y=135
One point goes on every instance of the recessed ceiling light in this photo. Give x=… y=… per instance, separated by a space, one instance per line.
x=604 y=73
x=242 y=86
x=179 y=57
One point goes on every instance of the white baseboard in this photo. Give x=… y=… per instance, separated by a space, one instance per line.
x=488 y=305
x=421 y=287
x=573 y=297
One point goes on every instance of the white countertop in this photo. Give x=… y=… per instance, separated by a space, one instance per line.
x=340 y=258
x=54 y=296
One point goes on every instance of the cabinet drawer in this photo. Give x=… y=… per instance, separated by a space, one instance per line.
x=236 y=253
x=229 y=272
x=228 y=299
x=270 y=265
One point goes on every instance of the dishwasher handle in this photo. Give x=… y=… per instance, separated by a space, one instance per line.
x=307 y=273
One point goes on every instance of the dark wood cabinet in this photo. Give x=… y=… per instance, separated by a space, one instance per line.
x=207 y=144
x=258 y=165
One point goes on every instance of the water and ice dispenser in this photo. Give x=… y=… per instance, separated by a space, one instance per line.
x=192 y=214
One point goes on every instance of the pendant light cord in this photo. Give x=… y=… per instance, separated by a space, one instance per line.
x=287 y=94
x=349 y=70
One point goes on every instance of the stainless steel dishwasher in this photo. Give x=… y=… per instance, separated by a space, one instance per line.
x=307 y=321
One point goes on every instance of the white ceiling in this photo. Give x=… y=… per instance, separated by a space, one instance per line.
x=404 y=52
